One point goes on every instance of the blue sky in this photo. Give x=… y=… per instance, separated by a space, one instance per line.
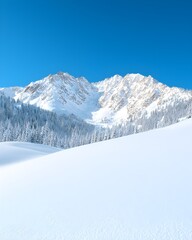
x=96 y=39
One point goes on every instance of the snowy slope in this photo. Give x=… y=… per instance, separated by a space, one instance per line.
x=13 y=152
x=112 y=101
x=132 y=188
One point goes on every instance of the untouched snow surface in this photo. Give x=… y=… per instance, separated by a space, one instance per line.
x=132 y=188
x=12 y=152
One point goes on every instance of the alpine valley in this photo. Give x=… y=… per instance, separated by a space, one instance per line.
x=72 y=111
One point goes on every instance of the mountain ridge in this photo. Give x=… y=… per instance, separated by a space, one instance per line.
x=112 y=101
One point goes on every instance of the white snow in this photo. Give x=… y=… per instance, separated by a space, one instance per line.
x=132 y=188
x=12 y=152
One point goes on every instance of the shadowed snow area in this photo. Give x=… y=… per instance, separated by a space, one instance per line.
x=132 y=188
x=12 y=152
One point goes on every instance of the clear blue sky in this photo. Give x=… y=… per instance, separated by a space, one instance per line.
x=96 y=39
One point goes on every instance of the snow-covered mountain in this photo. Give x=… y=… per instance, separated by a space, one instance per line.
x=132 y=188
x=132 y=96
x=115 y=100
x=61 y=93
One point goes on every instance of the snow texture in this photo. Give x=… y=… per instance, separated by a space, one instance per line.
x=131 y=188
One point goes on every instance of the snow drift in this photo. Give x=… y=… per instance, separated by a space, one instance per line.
x=136 y=187
x=12 y=152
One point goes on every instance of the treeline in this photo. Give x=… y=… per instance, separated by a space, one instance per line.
x=27 y=123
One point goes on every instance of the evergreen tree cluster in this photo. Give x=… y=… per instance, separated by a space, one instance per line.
x=27 y=123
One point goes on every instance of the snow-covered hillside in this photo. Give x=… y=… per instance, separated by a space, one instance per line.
x=113 y=101
x=136 y=187
x=13 y=152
